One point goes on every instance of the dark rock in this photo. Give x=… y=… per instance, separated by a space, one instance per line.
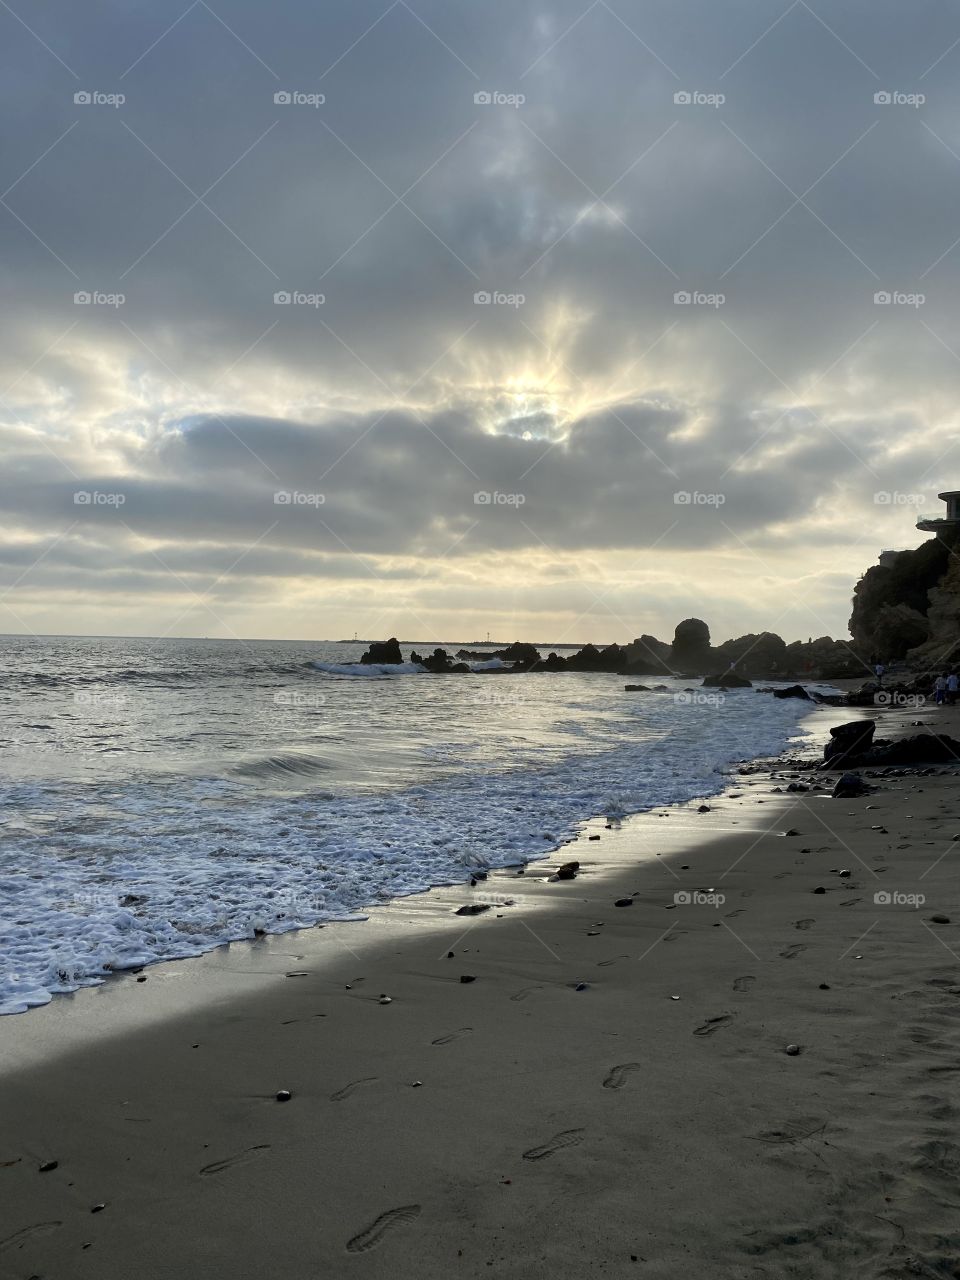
x=593 y=837
x=848 y=742
x=849 y=786
x=623 y=902
x=820 y=889
x=568 y=871
x=468 y=977
x=703 y=808
x=473 y=909
x=637 y=688
x=940 y=919
x=284 y=1095
x=98 y=1208
x=383 y=651
x=727 y=680
x=792 y=1049
x=48 y=1166
x=794 y=691
x=824 y=986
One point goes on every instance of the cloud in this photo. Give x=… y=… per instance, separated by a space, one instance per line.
x=583 y=212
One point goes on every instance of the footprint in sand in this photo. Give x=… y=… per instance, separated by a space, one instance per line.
x=780 y=875
x=347 y=1089
x=732 y=915
x=242 y=1157
x=804 y=924
x=851 y=902
x=618 y=1076
x=788 y=953
x=454 y=1035
x=522 y=995
x=714 y=1024
x=744 y=983
x=603 y=964
x=28 y=1233
x=371 y=1236
x=567 y=1138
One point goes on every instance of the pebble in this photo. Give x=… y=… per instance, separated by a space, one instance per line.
x=824 y=986
x=582 y=986
x=468 y=977
x=97 y=1208
x=48 y=1165
x=142 y=978
x=845 y=874
x=792 y=1050
x=593 y=837
x=284 y=1095
x=623 y=902
x=473 y=909
x=417 y=1084
x=940 y=919
x=819 y=889
x=674 y=997
x=385 y=1000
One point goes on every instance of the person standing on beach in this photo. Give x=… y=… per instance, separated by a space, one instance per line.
x=953 y=684
x=940 y=689
x=879 y=669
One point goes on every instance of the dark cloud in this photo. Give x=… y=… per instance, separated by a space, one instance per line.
x=593 y=394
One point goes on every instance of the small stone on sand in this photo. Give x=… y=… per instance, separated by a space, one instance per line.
x=284 y=1095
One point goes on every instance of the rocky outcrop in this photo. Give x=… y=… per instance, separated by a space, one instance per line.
x=383 y=652
x=690 y=652
x=727 y=680
x=892 y=602
x=440 y=663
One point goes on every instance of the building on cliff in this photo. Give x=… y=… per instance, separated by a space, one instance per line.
x=940 y=524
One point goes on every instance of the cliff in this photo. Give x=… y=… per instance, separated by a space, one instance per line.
x=911 y=607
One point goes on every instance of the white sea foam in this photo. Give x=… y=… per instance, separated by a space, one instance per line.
x=104 y=876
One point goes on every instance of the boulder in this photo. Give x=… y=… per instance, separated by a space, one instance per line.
x=727 y=680
x=637 y=688
x=794 y=691
x=921 y=748
x=849 y=786
x=383 y=651
x=848 y=742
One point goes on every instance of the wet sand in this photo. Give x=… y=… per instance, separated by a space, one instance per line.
x=649 y=1124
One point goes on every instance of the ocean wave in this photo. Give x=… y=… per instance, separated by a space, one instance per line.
x=371 y=670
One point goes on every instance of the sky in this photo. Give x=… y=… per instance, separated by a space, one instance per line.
x=435 y=318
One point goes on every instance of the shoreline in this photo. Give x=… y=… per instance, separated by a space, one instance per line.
x=515 y=1120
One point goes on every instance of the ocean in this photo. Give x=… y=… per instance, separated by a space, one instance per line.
x=161 y=797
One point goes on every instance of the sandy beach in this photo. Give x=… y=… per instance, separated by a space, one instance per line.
x=557 y=1087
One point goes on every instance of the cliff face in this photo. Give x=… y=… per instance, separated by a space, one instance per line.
x=941 y=647
x=894 y=610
